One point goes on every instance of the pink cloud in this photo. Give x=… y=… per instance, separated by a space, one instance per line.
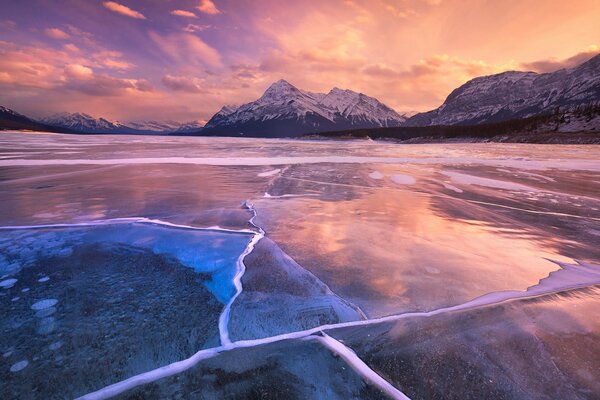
x=56 y=33
x=185 y=48
x=123 y=10
x=183 y=83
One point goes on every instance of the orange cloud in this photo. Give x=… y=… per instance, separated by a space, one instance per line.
x=183 y=13
x=208 y=7
x=123 y=10
x=56 y=33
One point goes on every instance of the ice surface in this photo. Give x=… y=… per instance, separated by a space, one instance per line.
x=457 y=267
x=116 y=280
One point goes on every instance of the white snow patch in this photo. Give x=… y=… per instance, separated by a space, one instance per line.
x=376 y=175
x=465 y=179
x=43 y=304
x=402 y=179
x=44 y=279
x=269 y=173
x=452 y=187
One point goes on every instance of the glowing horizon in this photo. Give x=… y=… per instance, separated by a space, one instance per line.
x=183 y=59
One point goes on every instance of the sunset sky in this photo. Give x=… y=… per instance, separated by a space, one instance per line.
x=183 y=59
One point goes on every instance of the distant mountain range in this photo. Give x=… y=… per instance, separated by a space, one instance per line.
x=80 y=122
x=286 y=111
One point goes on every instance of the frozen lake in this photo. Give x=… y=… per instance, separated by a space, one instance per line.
x=297 y=269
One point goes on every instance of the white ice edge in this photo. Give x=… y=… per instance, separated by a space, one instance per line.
x=237 y=280
x=359 y=366
x=579 y=164
x=577 y=276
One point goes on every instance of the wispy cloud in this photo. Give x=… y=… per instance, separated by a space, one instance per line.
x=192 y=28
x=56 y=33
x=83 y=79
x=208 y=7
x=187 y=49
x=8 y=24
x=184 y=13
x=123 y=10
x=554 y=64
x=183 y=83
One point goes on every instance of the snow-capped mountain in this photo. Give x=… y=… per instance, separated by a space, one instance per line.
x=187 y=127
x=284 y=110
x=154 y=126
x=10 y=119
x=85 y=123
x=512 y=95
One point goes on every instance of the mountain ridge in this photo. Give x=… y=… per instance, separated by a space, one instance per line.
x=285 y=110
x=515 y=94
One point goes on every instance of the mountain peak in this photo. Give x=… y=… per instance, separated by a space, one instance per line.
x=280 y=86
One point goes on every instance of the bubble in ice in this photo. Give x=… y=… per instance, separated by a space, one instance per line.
x=42 y=304
x=19 y=365
x=8 y=283
x=55 y=345
x=46 y=326
x=46 y=312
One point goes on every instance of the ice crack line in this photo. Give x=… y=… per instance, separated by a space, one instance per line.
x=127 y=220
x=570 y=276
x=237 y=280
x=359 y=366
